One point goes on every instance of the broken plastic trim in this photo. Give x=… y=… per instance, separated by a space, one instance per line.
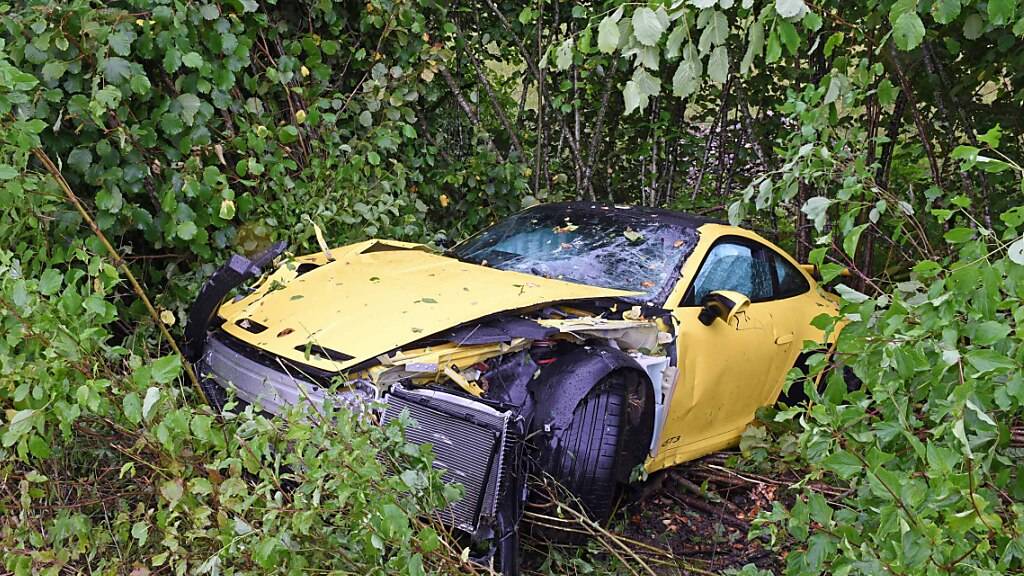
x=318 y=350
x=237 y=270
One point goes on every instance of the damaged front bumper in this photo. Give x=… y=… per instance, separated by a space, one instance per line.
x=478 y=444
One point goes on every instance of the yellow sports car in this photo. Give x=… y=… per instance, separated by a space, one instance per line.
x=577 y=339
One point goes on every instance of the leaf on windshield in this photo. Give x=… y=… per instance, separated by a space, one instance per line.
x=564 y=229
x=678 y=243
x=647 y=284
x=633 y=236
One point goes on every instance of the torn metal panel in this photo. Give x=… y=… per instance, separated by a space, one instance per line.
x=627 y=334
x=427 y=365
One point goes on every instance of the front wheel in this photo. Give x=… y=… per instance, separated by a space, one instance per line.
x=587 y=458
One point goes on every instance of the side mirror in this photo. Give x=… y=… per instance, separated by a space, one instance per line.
x=723 y=304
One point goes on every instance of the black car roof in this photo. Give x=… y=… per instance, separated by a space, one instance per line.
x=673 y=217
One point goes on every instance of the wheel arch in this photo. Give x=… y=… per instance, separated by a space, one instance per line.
x=563 y=384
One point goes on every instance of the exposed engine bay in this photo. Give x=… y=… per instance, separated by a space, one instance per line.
x=492 y=396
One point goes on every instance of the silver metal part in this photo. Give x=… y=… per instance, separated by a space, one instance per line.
x=470 y=441
x=275 y=388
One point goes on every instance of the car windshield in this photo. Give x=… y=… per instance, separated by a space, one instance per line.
x=606 y=248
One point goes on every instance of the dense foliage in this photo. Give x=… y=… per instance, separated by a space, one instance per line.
x=882 y=136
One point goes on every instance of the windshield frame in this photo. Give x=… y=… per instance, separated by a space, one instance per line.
x=685 y=226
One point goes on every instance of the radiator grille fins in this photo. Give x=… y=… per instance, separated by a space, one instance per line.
x=469 y=440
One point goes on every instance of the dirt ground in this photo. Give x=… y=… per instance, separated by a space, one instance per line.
x=692 y=519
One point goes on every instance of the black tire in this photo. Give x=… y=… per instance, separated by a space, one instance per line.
x=590 y=446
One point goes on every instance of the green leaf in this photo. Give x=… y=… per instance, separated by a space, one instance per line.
x=288 y=134
x=647 y=26
x=527 y=15
x=631 y=96
x=166 y=368
x=716 y=31
x=121 y=42
x=844 y=464
x=755 y=45
x=50 y=281
x=816 y=209
x=990 y=332
x=985 y=361
x=974 y=26
x=140 y=84
x=8 y=172
x=80 y=159
x=172 y=60
x=189 y=106
x=227 y=209
x=140 y=531
x=1016 y=252
x=718 y=65
x=851 y=295
x=109 y=97
x=992 y=137
x=132 y=407
x=639 y=90
x=790 y=8
x=172 y=490
x=675 y=40
x=192 y=60
x=908 y=31
x=851 y=239
x=152 y=397
x=186 y=230
x=209 y=12
x=958 y=235
x=563 y=54
x=54 y=69
x=836 y=39
x=945 y=11
x=886 y=92
x=608 y=32
x=1000 y=12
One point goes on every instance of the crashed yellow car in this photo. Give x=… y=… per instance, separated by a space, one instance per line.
x=576 y=339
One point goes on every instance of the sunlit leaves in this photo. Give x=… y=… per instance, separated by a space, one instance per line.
x=816 y=209
x=1001 y=12
x=1015 y=251
x=648 y=25
x=640 y=89
x=755 y=46
x=563 y=54
x=790 y=8
x=718 y=65
x=608 y=32
x=715 y=29
x=687 y=78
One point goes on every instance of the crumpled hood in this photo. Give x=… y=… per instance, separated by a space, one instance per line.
x=377 y=296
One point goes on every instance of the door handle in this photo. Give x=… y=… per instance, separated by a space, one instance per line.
x=784 y=339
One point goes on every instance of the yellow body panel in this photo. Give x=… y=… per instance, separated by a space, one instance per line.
x=376 y=296
x=727 y=371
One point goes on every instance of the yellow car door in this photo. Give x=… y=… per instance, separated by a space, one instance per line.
x=792 y=308
x=726 y=370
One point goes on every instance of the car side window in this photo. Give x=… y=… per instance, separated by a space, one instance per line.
x=790 y=281
x=732 y=266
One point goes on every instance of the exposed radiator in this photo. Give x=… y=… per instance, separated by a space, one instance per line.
x=470 y=441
